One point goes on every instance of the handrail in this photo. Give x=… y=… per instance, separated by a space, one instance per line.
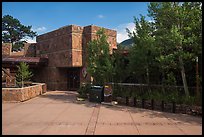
x=7 y=73
x=151 y=85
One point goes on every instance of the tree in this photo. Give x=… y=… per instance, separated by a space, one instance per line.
x=99 y=61
x=23 y=73
x=13 y=31
x=142 y=53
x=178 y=34
x=120 y=63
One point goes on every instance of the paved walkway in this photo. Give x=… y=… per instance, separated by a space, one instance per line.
x=58 y=112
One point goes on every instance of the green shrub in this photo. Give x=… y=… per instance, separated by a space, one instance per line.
x=136 y=93
x=84 y=90
x=172 y=96
x=189 y=100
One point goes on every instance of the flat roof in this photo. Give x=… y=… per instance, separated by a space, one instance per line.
x=30 y=60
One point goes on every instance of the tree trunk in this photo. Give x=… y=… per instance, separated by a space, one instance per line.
x=22 y=81
x=162 y=82
x=183 y=77
x=147 y=72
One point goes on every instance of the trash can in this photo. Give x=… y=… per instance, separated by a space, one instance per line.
x=96 y=94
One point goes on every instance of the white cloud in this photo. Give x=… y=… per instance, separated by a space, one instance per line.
x=40 y=29
x=100 y=16
x=121 y=31
x=29 y=40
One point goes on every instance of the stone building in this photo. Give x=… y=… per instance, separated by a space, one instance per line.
x=65 y=49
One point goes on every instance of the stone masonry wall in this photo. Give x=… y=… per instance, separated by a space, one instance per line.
x=55 y=78
x=23 y=94
x=30 y=49
x=6 y=49
x=90 y=34
x=65 y=48
x=58 y=45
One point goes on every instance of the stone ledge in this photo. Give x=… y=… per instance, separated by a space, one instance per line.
x=23 y=94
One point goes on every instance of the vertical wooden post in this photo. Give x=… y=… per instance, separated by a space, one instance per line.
x=152 y=104
x=135 y=101
x=173 y=107
x=197 y=79
x=143 y=103
x=162 y=105
x=127 y=101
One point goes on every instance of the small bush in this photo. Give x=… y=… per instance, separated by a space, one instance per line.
x=189 y=100
x=84 y=90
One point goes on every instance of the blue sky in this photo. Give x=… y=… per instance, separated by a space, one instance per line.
x=48 y=16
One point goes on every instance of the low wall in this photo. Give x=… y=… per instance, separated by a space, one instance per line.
x=23 y=94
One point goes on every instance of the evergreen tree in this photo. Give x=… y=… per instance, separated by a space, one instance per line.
x=23 y=73
x=13 y=31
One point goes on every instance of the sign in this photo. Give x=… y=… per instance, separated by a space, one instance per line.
x=107 y=90
x=107 y=93
x=84 y=72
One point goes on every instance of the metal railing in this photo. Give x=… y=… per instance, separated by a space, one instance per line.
x=158 y=92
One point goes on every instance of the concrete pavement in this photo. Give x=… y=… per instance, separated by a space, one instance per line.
x=59 y=113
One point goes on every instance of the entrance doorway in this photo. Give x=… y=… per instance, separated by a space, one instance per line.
x=73 y=81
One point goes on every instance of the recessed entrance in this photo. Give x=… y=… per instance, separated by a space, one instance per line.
x=73 y=78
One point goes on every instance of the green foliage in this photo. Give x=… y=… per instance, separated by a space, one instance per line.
x=170 y=80
x=169 y=95
x=178 y=34
x=99 y=61
x=188 y=100
x=119 y=62
x=142 y=53
x=18 y=46
x=172 y=96
x=13 y=31
x=157 y=95
x=23 y=73
x=84 y=90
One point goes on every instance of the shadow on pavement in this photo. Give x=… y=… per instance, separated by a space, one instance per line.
x=71 y=97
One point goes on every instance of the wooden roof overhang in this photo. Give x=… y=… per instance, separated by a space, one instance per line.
x=31 y=61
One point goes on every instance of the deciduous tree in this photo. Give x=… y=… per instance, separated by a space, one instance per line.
x=99 y=61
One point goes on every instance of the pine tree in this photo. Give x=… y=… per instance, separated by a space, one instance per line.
x=23 y=73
